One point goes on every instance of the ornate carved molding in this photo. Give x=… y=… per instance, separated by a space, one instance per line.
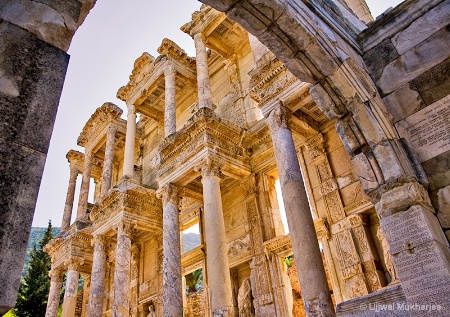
x=169 y=194
x=278 y=118
x=209 y=166
x=74 y=263
x=249 y=184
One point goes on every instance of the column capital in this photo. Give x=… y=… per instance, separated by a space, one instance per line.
x=131 y=109
x=74 y=263
x=56 y=275
x=278 y=118
x=125 y=227
x=199 y=37
x=169 y=194
x=169 y=68
x=209 y=166
x=98 y=242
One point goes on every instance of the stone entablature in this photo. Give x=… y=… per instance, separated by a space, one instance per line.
x=136 y=204
x=205 y=134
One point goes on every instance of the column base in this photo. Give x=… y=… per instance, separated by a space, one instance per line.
x=223 y=312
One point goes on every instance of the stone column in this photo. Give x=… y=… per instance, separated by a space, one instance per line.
x=130 y=139
x=70 y=296
x=97 y=291
x=218 y=268
x=85 y=182
x=56 y=281
x=120 y=305
x=108 y=161
x=86 y=291
x=311 y=272
x=172 y=279
x=170 y=124
x=204 y=89
x=68 y=207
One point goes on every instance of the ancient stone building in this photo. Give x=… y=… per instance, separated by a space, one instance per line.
x=349 y=118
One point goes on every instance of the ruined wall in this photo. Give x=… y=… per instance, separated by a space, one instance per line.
x=407 y=55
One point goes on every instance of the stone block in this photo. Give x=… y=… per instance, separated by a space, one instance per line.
x=422 y=28
x=438 y=171
x=383 y=303
x=401 y=198
x=415 y=62
x=69 y=8
x=444 y=206
x=35 y=72
x=424 y=273
x=363 y=169
x=21 y=169
x=435 y=83
x=379 y=56
x=404 y=102
x=412 y=228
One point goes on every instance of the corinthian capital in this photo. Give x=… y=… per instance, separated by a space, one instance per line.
x=278 y=118
x=169 y=68
x=169 y=194
x=209 y=166
x=125 y=227
x=98 y=242
x=56 y=275
x=74 y=263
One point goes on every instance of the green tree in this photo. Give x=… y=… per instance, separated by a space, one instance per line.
x=34 y=287
x=194 y=281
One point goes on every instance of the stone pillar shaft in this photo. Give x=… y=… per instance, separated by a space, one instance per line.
x=172 y=279
x=68 y=207
x=122 y=269
x=97 y=289
x=311 y=272
x=85 y=182
x=56 y=281
x=108 y=161
x=130 y=139
x=170 y=125
x=204 y=88
x=218 y=268
x=70 y=296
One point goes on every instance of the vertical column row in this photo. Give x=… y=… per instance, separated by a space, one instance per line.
x=68 y=206
x=97 y=291
x=311 y=272
x=108 y=161
x=170 y=125
x=172 y=279
x=203 y=85
x=130 y=139
x=85 y=182
x=219 y=280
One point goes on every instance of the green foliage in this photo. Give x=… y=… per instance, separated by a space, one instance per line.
x=288 y=260
x=34 y=287
x=194 y=281
x=36 y=235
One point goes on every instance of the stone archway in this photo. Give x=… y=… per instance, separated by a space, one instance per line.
x=325 y=52
x=303 y=34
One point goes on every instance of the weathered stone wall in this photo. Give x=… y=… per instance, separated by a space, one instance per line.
x=407 y=55
x=195 y=305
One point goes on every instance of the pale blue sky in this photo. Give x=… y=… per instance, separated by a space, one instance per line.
x=103 y=52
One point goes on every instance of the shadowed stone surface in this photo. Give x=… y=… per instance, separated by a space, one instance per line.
x=31 y=76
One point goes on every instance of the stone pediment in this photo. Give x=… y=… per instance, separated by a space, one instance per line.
x=135 y=203
x=104 y=115
x=205 y=134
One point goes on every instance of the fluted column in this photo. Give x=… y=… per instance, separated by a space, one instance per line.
x=219 y=280
x=70 y=295
x=311 y=272
x=97 y=291
x=68 y=207
x=56 y=281
x=85 y=182
x=122 y=269
x=170 y=125
x=108 y=161
x=130 y=139
x=203 y=85
x=172 y=278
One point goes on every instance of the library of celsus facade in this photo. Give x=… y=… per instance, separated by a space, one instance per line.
x=338 y=125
